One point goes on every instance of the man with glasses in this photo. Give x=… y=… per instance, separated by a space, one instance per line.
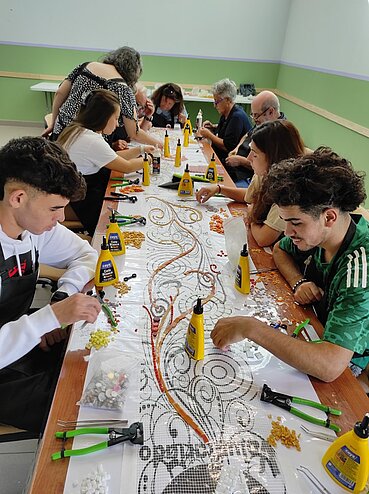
x=264 y=108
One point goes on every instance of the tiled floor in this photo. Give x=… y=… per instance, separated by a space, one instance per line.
x=17 y=457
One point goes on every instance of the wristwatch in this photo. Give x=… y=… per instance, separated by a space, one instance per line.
x=59 y=296
x=149 y=119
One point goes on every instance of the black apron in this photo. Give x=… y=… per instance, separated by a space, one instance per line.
x=160 y=120
x=88 y=210
x=27 y=385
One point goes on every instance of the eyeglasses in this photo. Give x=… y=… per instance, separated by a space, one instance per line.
x=217 y=101
x=256 y=116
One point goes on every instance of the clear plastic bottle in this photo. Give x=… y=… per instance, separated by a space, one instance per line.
x=199 y=119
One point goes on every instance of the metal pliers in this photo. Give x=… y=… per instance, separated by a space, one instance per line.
x=127 y=220
x=123 y=182
x=285 y=401
x=134 y=434
x=117 y=196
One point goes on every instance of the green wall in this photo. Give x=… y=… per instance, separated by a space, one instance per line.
x=26 y=105
x=340 y=95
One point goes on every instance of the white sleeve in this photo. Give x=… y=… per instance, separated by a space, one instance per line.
x=19 y=337
x=64 y=249
x=100 y=153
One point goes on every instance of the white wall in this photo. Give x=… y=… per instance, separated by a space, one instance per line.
x=236 y=29
x=329 y=34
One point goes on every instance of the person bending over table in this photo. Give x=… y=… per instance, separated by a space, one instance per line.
x=271 y=143
x=324 y=258
x=233 y=124
x=169 y=107
x=37 y=181
x=118 y=72
x=93 y=156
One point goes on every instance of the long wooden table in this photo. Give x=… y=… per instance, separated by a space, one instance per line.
x=344 y=393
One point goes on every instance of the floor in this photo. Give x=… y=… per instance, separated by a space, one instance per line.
x=17 y=457
x=8 y=132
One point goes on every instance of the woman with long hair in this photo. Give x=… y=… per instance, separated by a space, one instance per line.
x=94 y=158
x=271 y=142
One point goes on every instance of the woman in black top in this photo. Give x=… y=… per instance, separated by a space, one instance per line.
x=169 y=108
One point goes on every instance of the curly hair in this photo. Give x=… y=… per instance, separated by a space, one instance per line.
x=315 y=182
x=170 y=90
x=278 y=140
x=128 y=63
x=225 y=89
x=41 y=164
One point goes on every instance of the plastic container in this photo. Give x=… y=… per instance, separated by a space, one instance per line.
x=195 y=339
x=177 y=162
x=106 y=270
x=166 y=145
x=188 y=122
x=347 y=460
x=115 y=238
x=186 y=136
x=211 y=171
x=156 y=161
x=242 y=281
x=199 y=119
x=185 y=187
x=146 y=171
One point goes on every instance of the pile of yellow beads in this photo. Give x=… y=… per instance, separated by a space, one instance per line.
x=99 y=339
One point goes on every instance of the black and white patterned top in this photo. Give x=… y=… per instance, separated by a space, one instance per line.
x=83 y=81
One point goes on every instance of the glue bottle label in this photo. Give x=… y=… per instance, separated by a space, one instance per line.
x=114 y=242
x=238 y=279
x=344 y=466
x=107 y=272
x=156 y=164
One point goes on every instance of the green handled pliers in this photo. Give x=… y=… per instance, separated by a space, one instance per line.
x=123 y=182
x=285 y=401
x=134 y=434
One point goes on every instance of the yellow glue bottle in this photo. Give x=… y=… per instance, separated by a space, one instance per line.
x=347 y=460
x=185 y=185
x=195 y=340
x=146 y=171
x=188 y=122
x=242 y=281
x=106 y=270
x=186 y=136
x=114 y=238
x=166 y=145
x=212 y=172
x=177 y=162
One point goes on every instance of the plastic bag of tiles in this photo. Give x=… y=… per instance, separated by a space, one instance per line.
x=235 y=238
x=110 y=374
